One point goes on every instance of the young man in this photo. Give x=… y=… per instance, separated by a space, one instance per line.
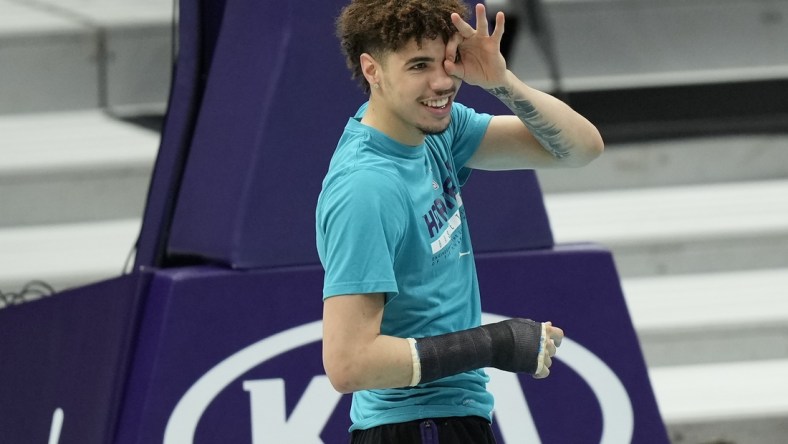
x=402 y=310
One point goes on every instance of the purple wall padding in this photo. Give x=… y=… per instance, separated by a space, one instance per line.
x=194 y=55
x=72 y=352
x=210 y=334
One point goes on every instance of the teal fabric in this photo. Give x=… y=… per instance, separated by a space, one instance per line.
x=390 y=219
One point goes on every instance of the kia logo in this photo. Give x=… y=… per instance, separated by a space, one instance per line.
x=305 y=423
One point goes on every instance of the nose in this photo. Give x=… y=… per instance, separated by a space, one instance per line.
x=441 y=81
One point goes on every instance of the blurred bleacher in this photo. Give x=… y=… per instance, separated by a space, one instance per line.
x=691 y=195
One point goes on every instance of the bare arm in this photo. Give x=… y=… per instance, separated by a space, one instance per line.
x=544 y=132
x=355 y=355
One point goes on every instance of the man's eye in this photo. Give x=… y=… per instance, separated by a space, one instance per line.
x=419 y=66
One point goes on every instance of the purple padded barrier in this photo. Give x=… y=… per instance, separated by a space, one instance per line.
x=185 y=95
x=235 y=356
x=64 y=361
x=277 y=98
x=197 y=34
x=577 y=288
x=513 y=221
x=203 y=318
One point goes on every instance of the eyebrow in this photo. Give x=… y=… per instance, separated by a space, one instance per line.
x=419 y=59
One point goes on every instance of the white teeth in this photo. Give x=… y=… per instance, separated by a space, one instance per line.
x=437 y=103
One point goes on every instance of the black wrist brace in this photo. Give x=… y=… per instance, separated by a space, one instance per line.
x=512 y=345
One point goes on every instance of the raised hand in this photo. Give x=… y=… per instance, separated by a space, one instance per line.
x=474 y=55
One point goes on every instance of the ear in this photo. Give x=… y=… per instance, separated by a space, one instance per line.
x=370 y=68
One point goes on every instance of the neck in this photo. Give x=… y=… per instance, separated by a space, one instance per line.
x=381 y=119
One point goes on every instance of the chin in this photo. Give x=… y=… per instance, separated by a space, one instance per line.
x=433 y=130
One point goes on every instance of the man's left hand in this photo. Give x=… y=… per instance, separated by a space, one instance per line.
x=474 y=55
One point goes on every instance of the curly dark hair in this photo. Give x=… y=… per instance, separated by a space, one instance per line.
x=378 y=26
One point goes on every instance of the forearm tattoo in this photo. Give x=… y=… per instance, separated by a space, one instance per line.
x=548 y=135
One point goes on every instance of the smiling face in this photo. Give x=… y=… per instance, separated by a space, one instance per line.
x=414 y=94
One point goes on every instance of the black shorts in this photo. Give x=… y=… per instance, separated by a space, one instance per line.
x=454 y=430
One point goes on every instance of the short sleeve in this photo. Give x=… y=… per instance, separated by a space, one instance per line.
x=359 y=223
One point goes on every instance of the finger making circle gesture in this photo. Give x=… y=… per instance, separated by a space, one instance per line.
x=474 y=55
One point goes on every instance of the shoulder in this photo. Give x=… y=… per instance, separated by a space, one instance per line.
x=465 y=121
x=463 y=136
x=362 y=200
x=366 y=180
x=464 y=117
x=354 y=164
x=360 y=189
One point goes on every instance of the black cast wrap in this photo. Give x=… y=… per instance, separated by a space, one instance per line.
x=511 y=345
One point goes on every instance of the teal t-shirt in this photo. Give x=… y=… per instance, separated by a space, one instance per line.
x=390 y=219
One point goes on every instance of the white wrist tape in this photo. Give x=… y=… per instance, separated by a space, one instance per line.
x=414 y=356
x=542 y=350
